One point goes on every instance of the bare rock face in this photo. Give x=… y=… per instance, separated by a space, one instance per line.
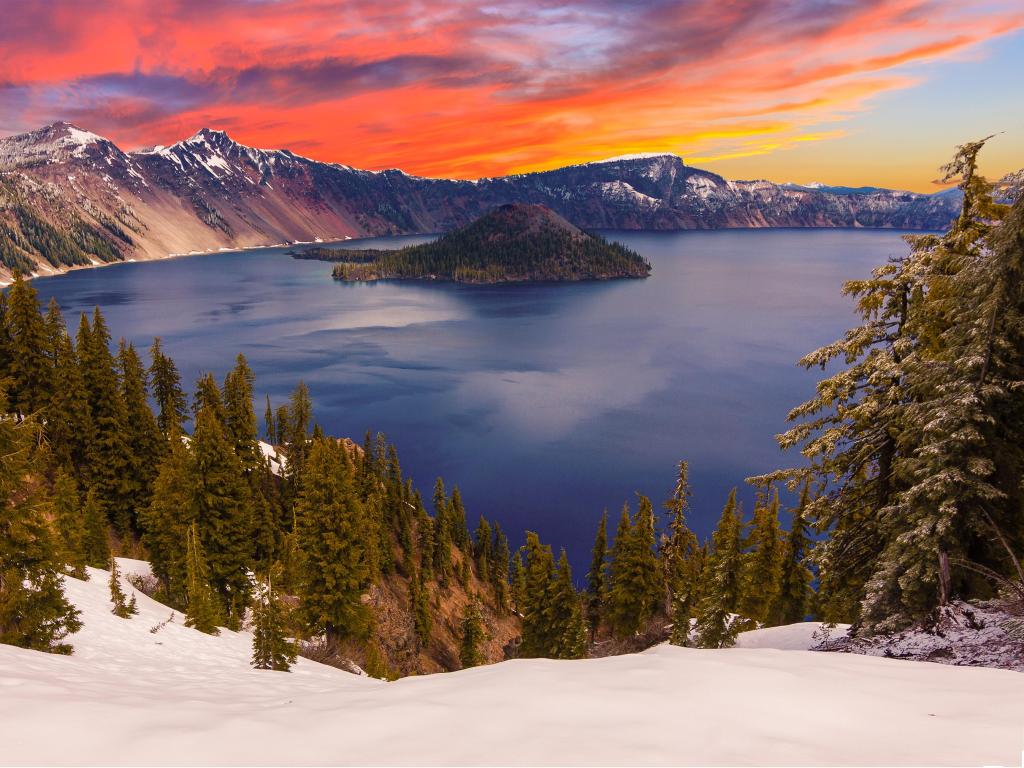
x=71 y=198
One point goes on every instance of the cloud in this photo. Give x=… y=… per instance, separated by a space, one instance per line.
x=452 y=88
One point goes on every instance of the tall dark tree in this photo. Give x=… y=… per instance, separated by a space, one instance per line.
x=222 y=507
x=761 y=571
x=473 y=635
x=565 y=615
x=716 y=627
x=29 y=366
x=333 y=532
x=537 y=577
x=146 y=445
x=171 y=403
x=69 y=523
x=680 y=559
x=271 y=646
x=167 y=519
x=69 y=427
x=240 y=416
x=34 y=613
x=202 y=610
x=635 y=591
x=597 y=576
x=794 y=595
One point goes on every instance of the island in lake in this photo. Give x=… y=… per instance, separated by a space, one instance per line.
x=512 y=243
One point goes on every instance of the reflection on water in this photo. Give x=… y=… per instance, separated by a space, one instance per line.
x=545 y=403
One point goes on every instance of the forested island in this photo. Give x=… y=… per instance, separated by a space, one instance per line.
x=512 y=243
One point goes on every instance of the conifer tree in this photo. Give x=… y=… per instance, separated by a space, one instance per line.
x=482 y=549
x=473 y=635
x=69 y=428
x=442 y=533
x=538 y=574
x=271 y=646
x=794 y=595
x=500 y=568
x=240 y=416
x=761 y=569
x=34 y=613
x=597 y=575
x=29 y=367
x=96 y=540
x=299 y=415
x=721 y=588
x=208 y=398
x=122 y=607
x=110 y=460
x=202 y=610
x=636 y=586
x=680 y=560
x=165 y=522
x=565 y=614
x=222 y=506
x=270 y=425
x=145 y=443
x=171 y=403
x=517 y=581
x=333 y=532
x=457 y=520
x=69 y=522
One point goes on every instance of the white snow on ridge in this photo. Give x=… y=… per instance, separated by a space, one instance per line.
x=634 y=156
x=176 y=696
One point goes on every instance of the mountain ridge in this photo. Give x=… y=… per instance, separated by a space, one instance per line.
x=208 y=192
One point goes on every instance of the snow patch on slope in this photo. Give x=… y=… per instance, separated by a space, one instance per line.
x=132 y=695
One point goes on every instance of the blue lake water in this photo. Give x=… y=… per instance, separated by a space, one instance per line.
x=544 y=403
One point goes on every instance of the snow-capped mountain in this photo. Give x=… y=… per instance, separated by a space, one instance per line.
x=208 y=192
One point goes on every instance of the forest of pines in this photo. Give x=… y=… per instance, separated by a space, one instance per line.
x=909 y=496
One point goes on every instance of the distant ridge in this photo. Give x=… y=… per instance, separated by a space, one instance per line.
x=69 y=197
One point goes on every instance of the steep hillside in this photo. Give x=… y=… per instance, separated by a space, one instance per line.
x=145 y=690
x=513 y=243
x=209 y=192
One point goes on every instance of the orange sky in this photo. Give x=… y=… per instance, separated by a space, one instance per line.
x=445 y=88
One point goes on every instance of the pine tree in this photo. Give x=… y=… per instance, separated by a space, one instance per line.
x=565 y=615
x=442 y=534
x=69 y=428
x=761 y=570
x=202 y=611
x=222 y=506
x=517 y=581
x=299 y=414
x=473 y=635
x=500 y=568
x=123 y=608
x=110 y=461
x=794 y=595
x=171 y=403
x=96 y=540
x=636 y=587
x=270 y=424
x=29 y=367
x=271 y=646
x=539 y=572
x=597 y=575
x=70 y=523
x=375 y=664
x=165 y=522
x=241 y=418
x=208 y=398
x=482 y=549
x=146 y=445
x=679 y=550
x=721 y=589
x=34 y=613
x=457 y=520
x=333 y=532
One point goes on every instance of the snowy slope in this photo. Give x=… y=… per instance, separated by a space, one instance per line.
x=129 y=696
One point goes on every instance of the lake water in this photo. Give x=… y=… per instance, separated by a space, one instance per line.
x=544 y=403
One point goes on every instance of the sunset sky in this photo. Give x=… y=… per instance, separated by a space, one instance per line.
x=845 y=92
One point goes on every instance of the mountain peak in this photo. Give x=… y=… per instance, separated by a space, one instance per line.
x=638 y=156
x=52 y=143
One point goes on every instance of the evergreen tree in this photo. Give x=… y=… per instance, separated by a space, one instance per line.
x=333 y=532
x=208 y=398
x=70 y=523
x=202 y=611
x=241 y=418
x=680 y=560
x=721 y=589
x=96 y=540
x=171 y=403
x=537 y=631
x=794 y=595
x=597 y=575
x=299 y=415
x=123 y=607
x=442 y=534
x=500 y=568
x=110 y=460
x=565 y=614
x=457 y=520
x=34 y=613
x=761 y=570
x=146 y=445
x=482 y=549
x=270 y=424
x=517 y=581
x=222 y=507
x=473 y=635
x=420 y=607
x=636 y=587
x=271 y=646
x=69 y=427
x=166 y=521
x=29 y=367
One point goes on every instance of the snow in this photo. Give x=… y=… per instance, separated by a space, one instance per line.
x=136 y=692
x=277 y=461
x=794 y=637
x=634 y=156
